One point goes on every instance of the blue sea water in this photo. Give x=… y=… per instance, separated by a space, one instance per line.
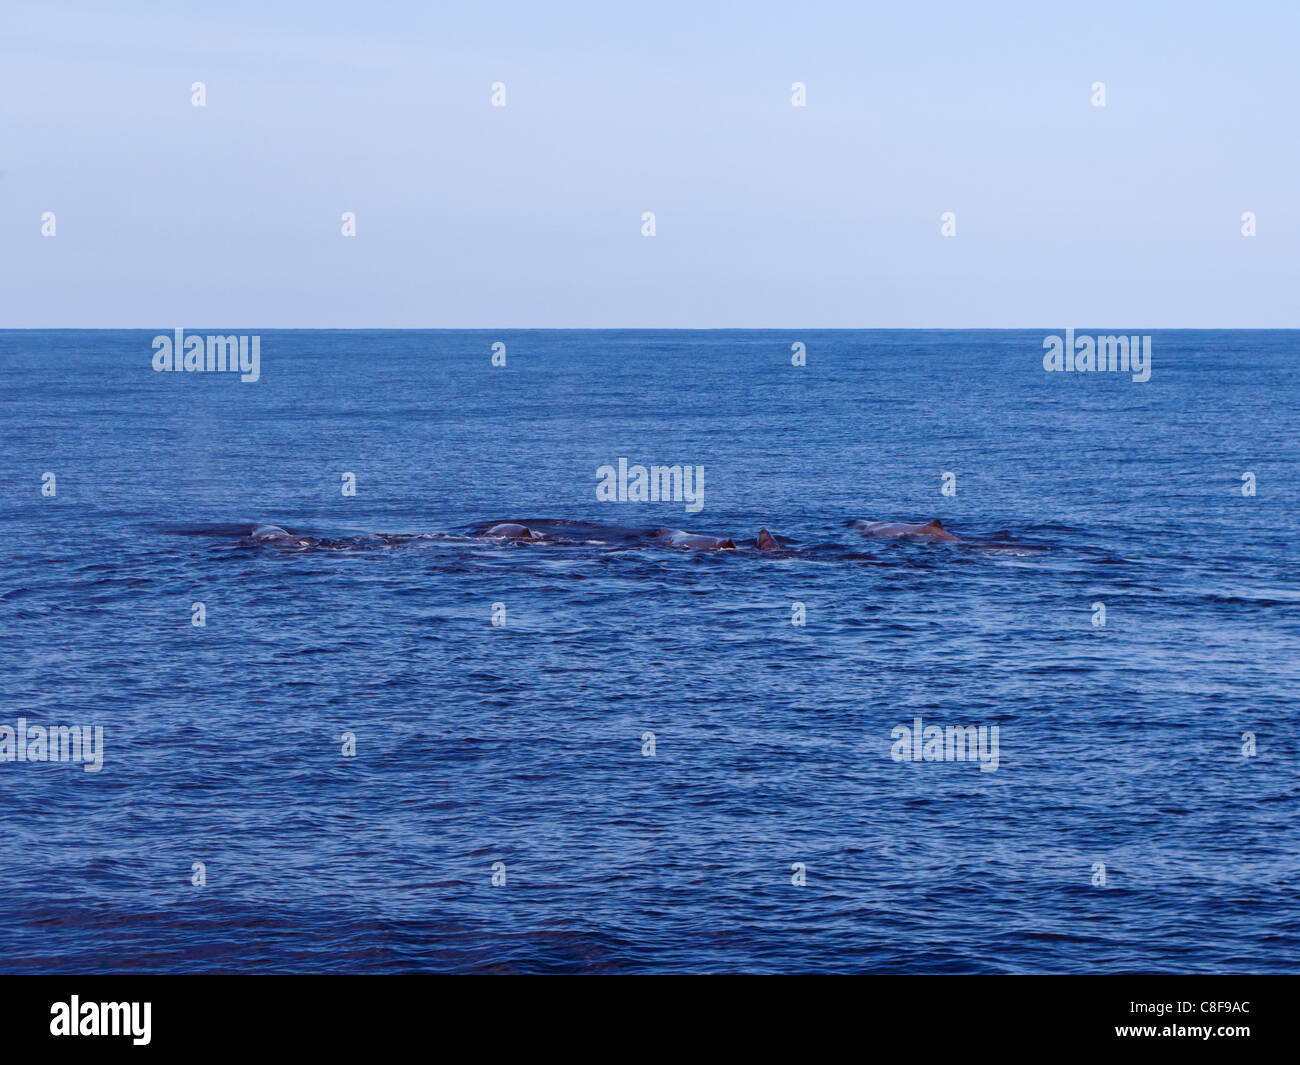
x=522 y=744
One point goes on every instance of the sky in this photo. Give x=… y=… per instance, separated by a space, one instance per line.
x=766 y=215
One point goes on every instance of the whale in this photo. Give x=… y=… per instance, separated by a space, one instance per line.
x=694 y=541
x=615 y=537
x=902 y=530
x=509 y=530
x=269 y=532
x=273 y=534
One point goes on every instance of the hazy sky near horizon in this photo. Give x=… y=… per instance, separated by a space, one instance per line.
x=767 y=215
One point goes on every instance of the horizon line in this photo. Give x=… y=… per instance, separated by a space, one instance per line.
x=651 y=328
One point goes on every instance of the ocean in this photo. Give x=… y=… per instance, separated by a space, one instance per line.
x=396 y=745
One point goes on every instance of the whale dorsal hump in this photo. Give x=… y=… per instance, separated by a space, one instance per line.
x=934 y=523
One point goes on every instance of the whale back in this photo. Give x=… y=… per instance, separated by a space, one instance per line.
x=695 y=541
x=935 y=530
x=930 y=530
x=511 y=531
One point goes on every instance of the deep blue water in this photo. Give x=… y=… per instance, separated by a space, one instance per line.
x=522 y=743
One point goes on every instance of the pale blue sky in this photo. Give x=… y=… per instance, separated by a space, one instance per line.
x=768 y=215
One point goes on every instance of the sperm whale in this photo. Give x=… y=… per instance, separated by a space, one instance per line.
x=562 y=533
x=273 y=534
x=902 y=530
x=694 y=541
x=509 y=530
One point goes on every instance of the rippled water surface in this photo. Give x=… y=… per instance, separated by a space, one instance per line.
x=523 y=743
